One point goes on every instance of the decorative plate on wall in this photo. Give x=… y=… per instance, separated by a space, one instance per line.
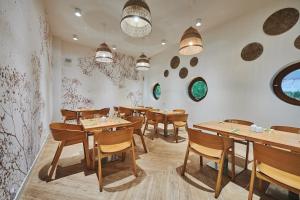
x=166 y=73
x=297 y=42
x=183 y=72
x=175 y=62
x=252 y=51
x=194 y=61
x=156 y=91
x=286 y=84
x=197 y=89
x=281 y=21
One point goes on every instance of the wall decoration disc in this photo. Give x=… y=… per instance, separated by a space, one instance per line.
x=166 y=73
x=156 y=91
x=297 y=42
x=197 y=89
x=281 y=21
x=183 y=72
x=194 y=61
x=252 y=51
x=175 y=62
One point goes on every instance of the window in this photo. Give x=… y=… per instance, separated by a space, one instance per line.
x=156 y=91
x=286 y=84
x=197 y=89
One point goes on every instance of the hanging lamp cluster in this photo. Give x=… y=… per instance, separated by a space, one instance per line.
x=143 y=63
x=136 y=18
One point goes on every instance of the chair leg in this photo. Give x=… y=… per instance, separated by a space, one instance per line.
x=86 y=153
x=133 y=162
x=251 y=186
x=220 y=175
x=146 y=127
x=133 y=141
x=247 y=155
x=176 y=134
x=56 y=158
x=123 y=156
x=201 y=161
x=100 y=178
x=185 y=160
x=143 y=141
x=94 y=153
x=232 y=163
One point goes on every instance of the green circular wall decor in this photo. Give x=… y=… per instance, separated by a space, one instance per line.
x=194 y=61
x=183 y=72
x=175 y=62
x=166 y=73
x=197 y=89
x=156 y=91
x=281 y=21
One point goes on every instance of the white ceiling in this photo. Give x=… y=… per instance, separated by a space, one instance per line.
x=101 y=21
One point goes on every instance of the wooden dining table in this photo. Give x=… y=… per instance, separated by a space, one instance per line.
x=95 y=125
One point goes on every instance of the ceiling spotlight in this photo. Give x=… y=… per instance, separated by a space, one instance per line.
x=77 y=12
x=198 y=22
x=114 y=47
x=75 y=37
x=163 y=42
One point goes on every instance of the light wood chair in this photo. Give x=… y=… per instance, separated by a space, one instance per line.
x=286 y=129
x=212 y=147
x=239 y=140
x=89 y=114
x=69 y=116
x=68 y=134
x=153 y=119
x=275 y=166
x=178 y=121
x=125 y=112
x=179 y=110
x=113 y=142
x=137 y=124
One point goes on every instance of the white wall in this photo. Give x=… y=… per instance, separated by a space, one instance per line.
x=236 y=88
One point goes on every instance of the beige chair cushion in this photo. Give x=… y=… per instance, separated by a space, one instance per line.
x=115 y=147
x=179 y=124
x=206 y=150
x=279 y=175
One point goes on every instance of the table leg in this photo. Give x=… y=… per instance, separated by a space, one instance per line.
x=165 y=127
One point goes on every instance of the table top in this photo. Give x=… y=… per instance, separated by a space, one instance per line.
x=166 y=113
x=108 y=122
x=84 y=109
x=281 y=139
x=137 y=108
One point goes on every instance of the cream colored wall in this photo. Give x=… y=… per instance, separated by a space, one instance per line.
x=236 y=88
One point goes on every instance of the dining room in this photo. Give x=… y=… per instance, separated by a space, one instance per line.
x=149 y=99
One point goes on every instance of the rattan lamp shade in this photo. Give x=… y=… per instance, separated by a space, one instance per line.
x=136 y=18
x=143 y=63
x=191 y=42
x=103 y=54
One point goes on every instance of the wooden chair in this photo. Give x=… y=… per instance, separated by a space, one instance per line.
x=137 y=124
x=125 y=112
x=69 y=116
x=178 y=120
x=239 y=140
x=286 y=129
x=153 y=119
x=212 y=147
x=275 y=166
x=179 y=111
x=89 y=114
x=67 y=134
x=113 y=142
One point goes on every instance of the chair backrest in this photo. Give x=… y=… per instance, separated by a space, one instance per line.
x=179 y=110
x=89 y=114
x=238 y=121
x=68 y=115
x=209 y=140
x=286 y=129
x=278 y=158
x=114 y=137
x=62 y=131
x=137 y=122
x=127 y=112
x=178 y=117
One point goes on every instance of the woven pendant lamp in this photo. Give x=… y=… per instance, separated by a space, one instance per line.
x=103 y=54
x=191 y=42
x=143 y=63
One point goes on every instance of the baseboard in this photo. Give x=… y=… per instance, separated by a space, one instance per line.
x=30 y=170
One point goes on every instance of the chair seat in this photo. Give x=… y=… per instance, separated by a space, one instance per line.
x=279 y=175
x=206 y=150
x=179 y=124
x=115 y=147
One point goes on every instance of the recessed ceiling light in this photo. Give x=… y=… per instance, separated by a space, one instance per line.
x=198 y=22
x=163 y=42
x=77 y=12
x=75 y=37
x=114 y=47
